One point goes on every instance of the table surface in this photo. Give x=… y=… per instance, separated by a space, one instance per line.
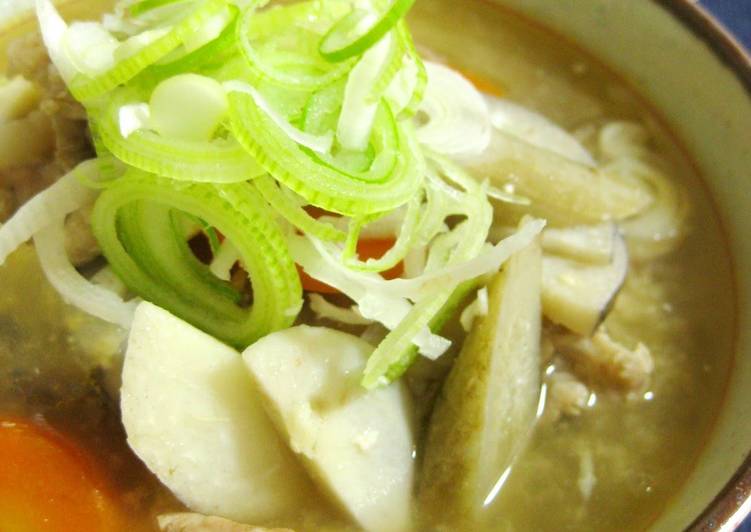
x=736 y=15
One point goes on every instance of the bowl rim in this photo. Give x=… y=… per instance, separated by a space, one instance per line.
x=732 y=505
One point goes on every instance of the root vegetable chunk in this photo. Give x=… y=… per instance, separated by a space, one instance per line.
x=358 y=444
x=487 y=408
x=193 y=416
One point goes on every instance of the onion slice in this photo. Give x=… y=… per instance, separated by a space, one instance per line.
x=74 y=288
x=317 y=143
x=59 y=200
x=458 y=122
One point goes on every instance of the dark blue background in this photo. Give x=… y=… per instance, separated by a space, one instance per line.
x=736 y=15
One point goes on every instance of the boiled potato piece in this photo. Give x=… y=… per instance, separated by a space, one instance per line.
x=561 y=191
x=358 y=444
x=578 y=295
x=593 y=244
x=487 y=408
x=193 y=415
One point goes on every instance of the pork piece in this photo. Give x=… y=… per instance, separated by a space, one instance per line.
x=188 y=522
x=42 y=137
x=80 y=242
x=567 y=396
x=606 y=361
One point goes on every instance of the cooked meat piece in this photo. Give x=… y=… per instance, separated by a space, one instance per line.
x=26 y=141
x=80 y=243
x=50 y=139
x=567 y=396
x=188 y=522
x=18 y=97
x=606 y=361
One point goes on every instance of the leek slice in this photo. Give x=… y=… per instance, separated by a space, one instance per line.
x=208 y=58
x=358 y=109
x=203 y=96
x=407 y=90
x=322 y=182
x=86 y=88
x=74 y=287
x=275 y=41
x=360 y=29
x=144 y=6
x=217 y=161
x=407 y=236
x=146 y=257
x=294 y=213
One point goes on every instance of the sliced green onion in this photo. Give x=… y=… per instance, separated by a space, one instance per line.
x=144 y=6
x=404 y=242
x=318 y=143
x=358 y=107
x=407 y=89
x=188 y=107
x=277 y=41
x=209 y=57
x=131 y=225
x=294 y=213
x=86 y=88
x=360 y=29
x=322 y=182
x=218 y=161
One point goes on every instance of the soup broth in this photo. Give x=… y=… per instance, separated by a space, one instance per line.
x=614 y=466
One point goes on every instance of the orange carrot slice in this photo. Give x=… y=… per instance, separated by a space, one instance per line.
x=366 y=249
x=47 y=484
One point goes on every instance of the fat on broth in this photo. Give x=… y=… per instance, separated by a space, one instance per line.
x=612 y=467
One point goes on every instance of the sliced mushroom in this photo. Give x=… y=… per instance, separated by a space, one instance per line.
x=593 y=244
x=578 y=295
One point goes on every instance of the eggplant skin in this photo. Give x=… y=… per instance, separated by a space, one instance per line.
x=487 y=409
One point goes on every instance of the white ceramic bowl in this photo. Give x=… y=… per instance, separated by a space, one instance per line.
x=699 y=77
x=681 y=59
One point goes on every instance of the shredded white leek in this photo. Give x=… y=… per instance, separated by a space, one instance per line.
x=477 y=309
x=388 y=310
x=358 y=108
x=224 y=260
x=325 y=309
x=74 y=288
x=90 y=47
x=317 y=143
x=60 y=199
x=53 y=29
x=458 y=122
x=489 y=260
